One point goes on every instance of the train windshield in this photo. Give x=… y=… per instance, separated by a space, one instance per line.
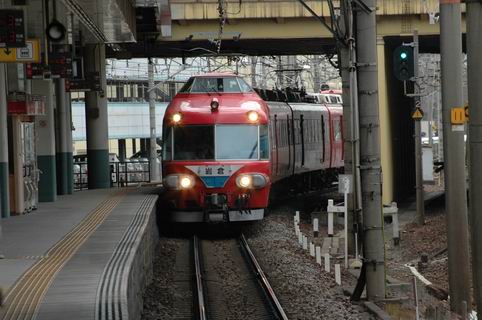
x=216 y=85
x=237 y=142
x=193 y=143
x=220 y=142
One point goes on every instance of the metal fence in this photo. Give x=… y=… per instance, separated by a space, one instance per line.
x=122 y=173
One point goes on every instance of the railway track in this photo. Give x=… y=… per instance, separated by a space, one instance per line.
x=229 y=282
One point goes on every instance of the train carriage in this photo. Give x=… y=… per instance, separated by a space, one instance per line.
x=224 y=147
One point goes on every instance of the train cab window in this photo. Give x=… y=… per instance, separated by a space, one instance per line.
x=186 y=88
x=244 y=86
x=167 y=143
x=229 y=146
x=211 y=84
x=194 y=143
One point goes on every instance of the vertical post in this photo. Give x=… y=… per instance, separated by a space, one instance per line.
x=474 y=74
x=121 y=143
x=418 y=140
x=97 y=120
x=349 y=92
x=345 y=218
x=46 y=143
x=454 y=155
x=371 y=178
x=63 y=124
x=254 y=62
x=154 y=167
x=70 y=145
x=4 y=187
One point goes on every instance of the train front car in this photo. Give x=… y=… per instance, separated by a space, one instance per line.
x=216 y=152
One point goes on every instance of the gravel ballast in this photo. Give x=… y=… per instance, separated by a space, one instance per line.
x=304 y=290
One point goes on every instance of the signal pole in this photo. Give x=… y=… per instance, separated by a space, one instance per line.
x=370 y=163
x=474 y=74
x=454 y=155
x=418 y=142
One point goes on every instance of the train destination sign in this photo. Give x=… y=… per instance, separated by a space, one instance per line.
x=12 y=29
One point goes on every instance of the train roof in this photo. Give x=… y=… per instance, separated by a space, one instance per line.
x=215 y=75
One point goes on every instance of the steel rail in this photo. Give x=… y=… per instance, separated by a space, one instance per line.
x=201 y=307
x=263 y=280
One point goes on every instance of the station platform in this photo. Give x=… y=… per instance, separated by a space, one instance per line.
x=85 y=256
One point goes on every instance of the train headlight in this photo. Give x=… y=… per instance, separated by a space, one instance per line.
x=214 y=104
x=186 y=182
x=244 y=181
x=253 y=116
x=179 y=182
x=176 y=118
x=251 y=181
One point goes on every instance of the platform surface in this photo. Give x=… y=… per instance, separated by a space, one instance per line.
x=56 y=256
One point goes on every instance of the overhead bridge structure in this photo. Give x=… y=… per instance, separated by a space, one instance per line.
x=198 y=28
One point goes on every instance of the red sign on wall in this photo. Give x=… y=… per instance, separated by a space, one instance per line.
x=32 y=105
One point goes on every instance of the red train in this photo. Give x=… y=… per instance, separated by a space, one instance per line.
x=224 y=147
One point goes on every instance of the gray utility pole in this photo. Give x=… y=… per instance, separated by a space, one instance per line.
x=350 y=116
x=152 y=124
x=454 y=155
x=370 y=163
x=474 y=75
x=418 y=139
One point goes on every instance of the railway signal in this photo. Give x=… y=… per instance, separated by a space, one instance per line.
x=403 y=63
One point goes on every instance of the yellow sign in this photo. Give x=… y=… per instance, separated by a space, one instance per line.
x=457 y=116
x=29 y=53
x=417 y=114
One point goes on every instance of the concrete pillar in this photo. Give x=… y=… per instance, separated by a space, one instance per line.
x=122 y=149
x=4 y=188
x=63 y=128
x=46 y=142
x=69 y=145
x=134 y=147
x=385 y=128
x=97 y=120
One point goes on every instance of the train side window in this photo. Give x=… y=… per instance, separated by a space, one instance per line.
x=263 y=142
x=337 y=130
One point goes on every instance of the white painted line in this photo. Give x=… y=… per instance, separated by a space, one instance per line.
x=312 y=249
x=327 y=262
x=305 y=242
x=300 y=238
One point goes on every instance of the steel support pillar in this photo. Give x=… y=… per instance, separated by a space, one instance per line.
x=97 y=120
x=63 y=128
x=46 y=142
x=370 y=164
x=70 y=145
x=454 y=155
x=385 y=126
x=4 y=187
x=474 y=74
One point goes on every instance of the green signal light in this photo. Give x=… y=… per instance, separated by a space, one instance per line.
x=403 y=55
